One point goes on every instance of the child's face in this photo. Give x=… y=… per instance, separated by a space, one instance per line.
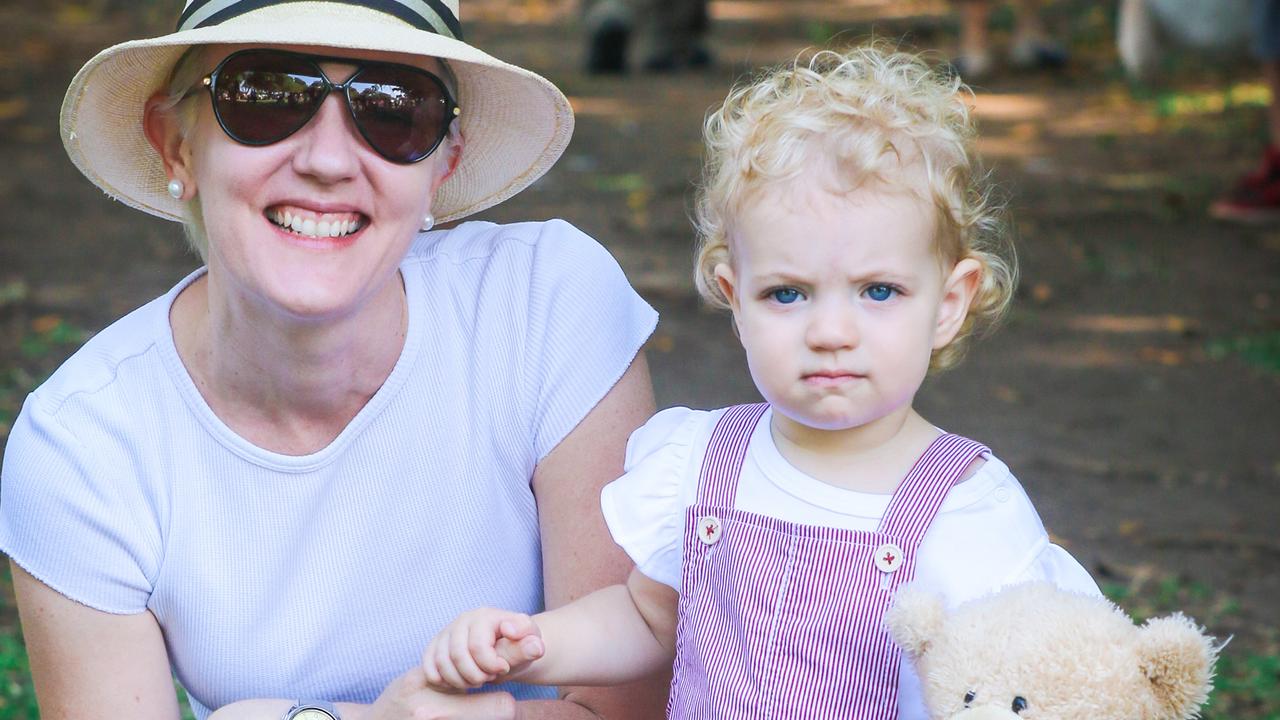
x=840 y=300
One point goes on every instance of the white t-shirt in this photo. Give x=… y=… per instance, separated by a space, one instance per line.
x=325 y=575
x=986 y=534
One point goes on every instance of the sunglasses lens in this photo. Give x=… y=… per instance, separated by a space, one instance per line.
x=263 y=97
x=401 y=112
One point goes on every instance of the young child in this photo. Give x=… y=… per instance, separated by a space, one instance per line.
x=842 y=222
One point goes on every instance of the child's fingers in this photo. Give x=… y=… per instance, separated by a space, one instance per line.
x=516 y=627
x=520 y=652
x=464 y=663
x=429 y=669
x=447 y=666
x=480 y=641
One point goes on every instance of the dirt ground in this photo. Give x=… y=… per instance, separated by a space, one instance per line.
x=1134 y=389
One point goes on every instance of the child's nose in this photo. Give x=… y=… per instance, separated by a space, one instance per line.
x=832 y=326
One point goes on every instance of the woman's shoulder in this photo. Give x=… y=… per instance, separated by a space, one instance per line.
x=126 y=352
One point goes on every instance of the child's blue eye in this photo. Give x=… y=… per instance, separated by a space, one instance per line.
x=880 y=293
x=786 y=296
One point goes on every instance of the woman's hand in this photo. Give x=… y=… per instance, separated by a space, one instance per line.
x=405 y=698
x=480 y=646
x=409 y=697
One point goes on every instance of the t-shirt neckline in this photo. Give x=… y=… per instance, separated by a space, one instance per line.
x=262 y=457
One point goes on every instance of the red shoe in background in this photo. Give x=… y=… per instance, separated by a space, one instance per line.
x=1255 y=199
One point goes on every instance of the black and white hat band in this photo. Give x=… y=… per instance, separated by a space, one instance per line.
x=429 y=15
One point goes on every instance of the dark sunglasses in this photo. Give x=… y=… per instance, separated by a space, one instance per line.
x=263 y=96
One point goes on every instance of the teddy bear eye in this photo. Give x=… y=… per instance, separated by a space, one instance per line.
x=968 y=698
x=1019 y=704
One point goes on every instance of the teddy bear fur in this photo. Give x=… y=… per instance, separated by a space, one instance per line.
x=1067 y=656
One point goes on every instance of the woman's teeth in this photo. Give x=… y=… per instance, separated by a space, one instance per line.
x=324 y=226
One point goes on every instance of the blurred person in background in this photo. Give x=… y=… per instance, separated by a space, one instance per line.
x=1030 y=47
x=1255 y=198
x=668 y=35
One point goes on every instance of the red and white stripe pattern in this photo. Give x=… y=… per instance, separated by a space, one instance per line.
x=783 y=620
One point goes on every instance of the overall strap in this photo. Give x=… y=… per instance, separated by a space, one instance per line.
x=726 y=450
x=917 y=499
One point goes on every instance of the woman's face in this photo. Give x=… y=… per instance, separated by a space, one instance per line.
x=324 y=176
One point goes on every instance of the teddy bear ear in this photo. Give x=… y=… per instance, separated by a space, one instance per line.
x=915 y=619
x=1177 y=658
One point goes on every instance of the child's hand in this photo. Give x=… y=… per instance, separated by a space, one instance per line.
x=480 y=646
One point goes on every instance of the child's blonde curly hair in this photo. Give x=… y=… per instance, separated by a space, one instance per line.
x=876 y=112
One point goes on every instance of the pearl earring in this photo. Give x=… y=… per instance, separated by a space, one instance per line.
x=176 y=188
x=428 y=222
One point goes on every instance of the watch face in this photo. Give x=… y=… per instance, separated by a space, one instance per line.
x=311 y=714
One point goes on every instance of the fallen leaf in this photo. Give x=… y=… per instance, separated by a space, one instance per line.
x=13 y=108
x=663 y=343
x=1162 y=356
x=46 y=324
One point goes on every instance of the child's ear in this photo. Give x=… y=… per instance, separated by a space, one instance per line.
x=958 y=291
x=728 y=284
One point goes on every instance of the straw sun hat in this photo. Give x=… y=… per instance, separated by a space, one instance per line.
x=515 y=122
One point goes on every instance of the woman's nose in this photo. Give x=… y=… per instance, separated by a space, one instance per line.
x=328 y=146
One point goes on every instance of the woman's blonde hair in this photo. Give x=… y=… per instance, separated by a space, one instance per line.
x=873 y=111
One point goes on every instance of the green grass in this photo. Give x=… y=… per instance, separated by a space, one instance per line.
x=48 y=342
x=17 y=699
x=1260 y=349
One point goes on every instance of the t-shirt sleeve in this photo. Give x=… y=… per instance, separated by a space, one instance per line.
x=586 y=325
x=68 y=520
x=644 y=508
x=992 y=539
x=1052 y=563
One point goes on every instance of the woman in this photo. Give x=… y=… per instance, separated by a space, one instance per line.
x=282 y=477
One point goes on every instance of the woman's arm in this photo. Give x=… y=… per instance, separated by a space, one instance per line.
x=578 y=554
x=88 y=663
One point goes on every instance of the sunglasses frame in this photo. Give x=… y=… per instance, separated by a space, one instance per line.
x=209 y=82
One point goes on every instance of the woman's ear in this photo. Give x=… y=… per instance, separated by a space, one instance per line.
x=958 y=291
x=727 y=282
x=450 y=152
x=165 y=133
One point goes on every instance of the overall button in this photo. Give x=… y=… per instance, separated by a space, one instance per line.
x=709 y=529
x=888 y=557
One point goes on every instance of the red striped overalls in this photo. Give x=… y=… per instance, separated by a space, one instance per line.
x=783 y=620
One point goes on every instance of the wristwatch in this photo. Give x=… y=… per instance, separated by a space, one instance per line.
x=312 y=710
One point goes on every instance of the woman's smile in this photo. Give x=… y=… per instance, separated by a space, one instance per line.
x=308 y=223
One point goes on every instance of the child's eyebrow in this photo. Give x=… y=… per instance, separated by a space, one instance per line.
x=869 y=275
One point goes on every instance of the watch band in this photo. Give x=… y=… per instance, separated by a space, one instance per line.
x=312 y=710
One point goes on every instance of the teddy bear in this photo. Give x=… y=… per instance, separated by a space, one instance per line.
x=1035 y=652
